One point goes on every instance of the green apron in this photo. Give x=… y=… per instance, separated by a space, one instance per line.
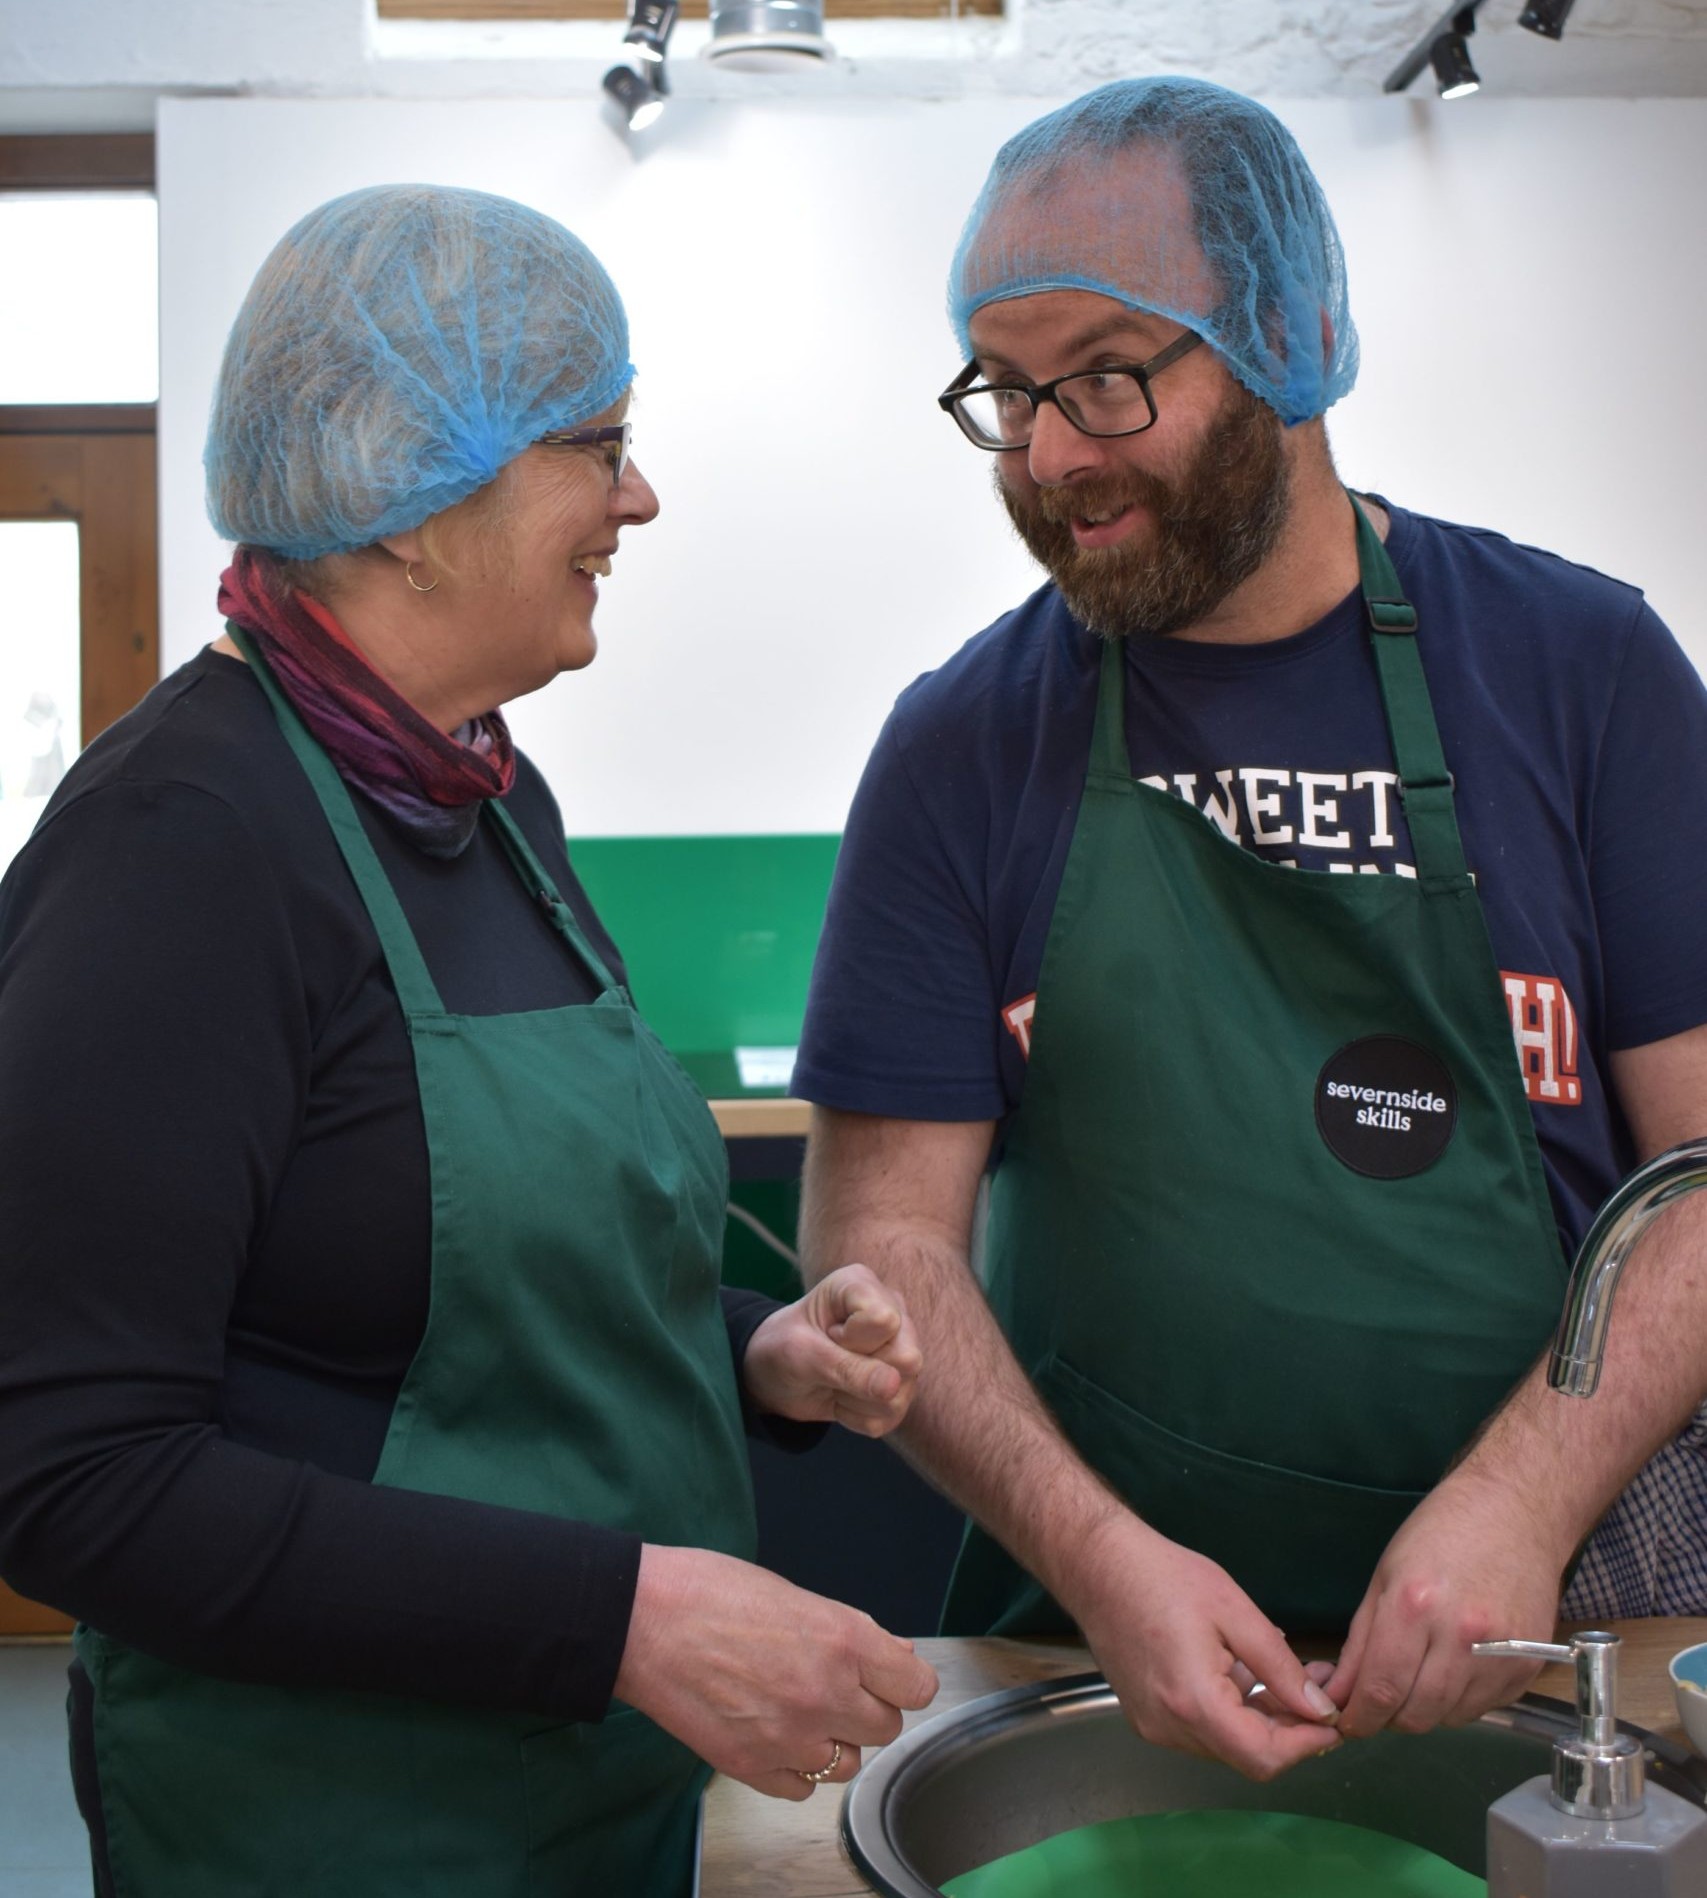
x=575 y=1362
x=1270 y=1230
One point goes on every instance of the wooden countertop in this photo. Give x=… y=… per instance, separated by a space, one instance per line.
x=764 y=1118
x=772 y=1848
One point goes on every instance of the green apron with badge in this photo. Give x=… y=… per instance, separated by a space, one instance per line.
x=575 y=1363
x=1270 y=1231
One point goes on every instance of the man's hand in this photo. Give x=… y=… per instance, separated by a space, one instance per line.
x=845 y=1353
x=1472 y=1563
x=762 y=1679
x=1182 y=1646
x=1195 y=1663
x=1481 y=1558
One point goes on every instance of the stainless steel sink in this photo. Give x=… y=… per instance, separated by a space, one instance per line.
x=1001 y=1773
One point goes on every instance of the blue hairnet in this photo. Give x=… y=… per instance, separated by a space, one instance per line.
x=399 y=346
x=1180 y=197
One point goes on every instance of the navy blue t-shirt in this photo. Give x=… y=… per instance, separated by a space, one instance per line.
x=1573 y=723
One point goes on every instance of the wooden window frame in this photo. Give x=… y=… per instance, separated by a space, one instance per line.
x=93 y=462
x=76 y=161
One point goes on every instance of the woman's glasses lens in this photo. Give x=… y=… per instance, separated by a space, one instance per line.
x=611 y=442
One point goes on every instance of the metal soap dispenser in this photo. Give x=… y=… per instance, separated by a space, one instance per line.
x=1594 y=1829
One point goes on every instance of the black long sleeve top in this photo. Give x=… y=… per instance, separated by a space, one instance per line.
x=215 y=1223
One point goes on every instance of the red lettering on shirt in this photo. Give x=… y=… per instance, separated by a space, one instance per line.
x=1017 y=1017
x=1544 y=1027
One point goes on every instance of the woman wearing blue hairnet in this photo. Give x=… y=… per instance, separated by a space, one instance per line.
x=367 y=1390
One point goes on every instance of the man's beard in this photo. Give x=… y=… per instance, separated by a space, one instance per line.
x=1212 y=529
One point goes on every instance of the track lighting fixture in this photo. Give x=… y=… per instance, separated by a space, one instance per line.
x=637 y=86
x=1450 y=58
x=1546 y=17
x=639 y=97
x=649 y=24
x=1443 y=47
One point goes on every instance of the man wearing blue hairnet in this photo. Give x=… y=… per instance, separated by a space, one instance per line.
x=1276 y=898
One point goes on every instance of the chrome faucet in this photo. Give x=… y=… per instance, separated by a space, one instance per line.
x=1574 y=1366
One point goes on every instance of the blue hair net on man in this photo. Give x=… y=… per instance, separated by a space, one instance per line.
x=399 y=346
x=1180 y=197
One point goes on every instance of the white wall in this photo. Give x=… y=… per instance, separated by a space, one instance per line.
x=1527 y=277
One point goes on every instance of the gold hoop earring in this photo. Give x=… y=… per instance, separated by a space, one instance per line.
x=409 y=575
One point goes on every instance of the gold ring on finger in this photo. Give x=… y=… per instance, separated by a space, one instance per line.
x=823 y=1772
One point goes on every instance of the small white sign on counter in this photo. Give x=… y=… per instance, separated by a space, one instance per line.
x=765 y=1067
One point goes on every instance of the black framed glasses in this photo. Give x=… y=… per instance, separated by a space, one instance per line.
x=1111 y=401
x=612 y=438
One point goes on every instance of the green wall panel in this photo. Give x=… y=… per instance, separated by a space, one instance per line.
x=718 y=932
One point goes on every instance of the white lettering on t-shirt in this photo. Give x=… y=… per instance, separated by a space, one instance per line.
x=1225 y=815
x=1264 y=804
x=1321 y=810
x=1222 y=813
x=1379 y=783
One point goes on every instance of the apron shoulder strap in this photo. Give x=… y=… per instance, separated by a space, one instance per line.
x=415 y=987
x=1425 y=784
x=1110 y=755
x=537 y=880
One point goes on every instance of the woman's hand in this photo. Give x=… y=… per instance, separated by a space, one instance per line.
x=845 y=1353
x=763 y=1680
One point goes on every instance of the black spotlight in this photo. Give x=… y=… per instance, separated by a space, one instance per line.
x=1442 y=46
x=639 y=98
x=1547 y=17
x=1450 y=58
x=638 y=85
x=649 y=24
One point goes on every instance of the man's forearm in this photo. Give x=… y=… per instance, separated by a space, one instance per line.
x=1563 y=1461
x=977 y=1429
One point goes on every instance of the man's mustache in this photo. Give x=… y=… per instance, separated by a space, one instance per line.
x=1102 y=494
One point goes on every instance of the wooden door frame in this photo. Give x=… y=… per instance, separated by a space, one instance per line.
x=64 y=464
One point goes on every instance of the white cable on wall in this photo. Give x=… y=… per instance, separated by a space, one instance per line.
x=763 y=1234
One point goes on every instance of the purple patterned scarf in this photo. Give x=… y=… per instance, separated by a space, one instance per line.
x=432 y=782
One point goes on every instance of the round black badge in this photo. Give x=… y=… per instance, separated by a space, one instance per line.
x=1386 y=1107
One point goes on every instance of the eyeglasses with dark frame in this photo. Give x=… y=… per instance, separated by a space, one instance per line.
x=1102 y=402
x=617 y=434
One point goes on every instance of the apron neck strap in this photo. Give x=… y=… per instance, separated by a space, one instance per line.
x=1425 y=784
x=415 y=987
x=537 y=880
